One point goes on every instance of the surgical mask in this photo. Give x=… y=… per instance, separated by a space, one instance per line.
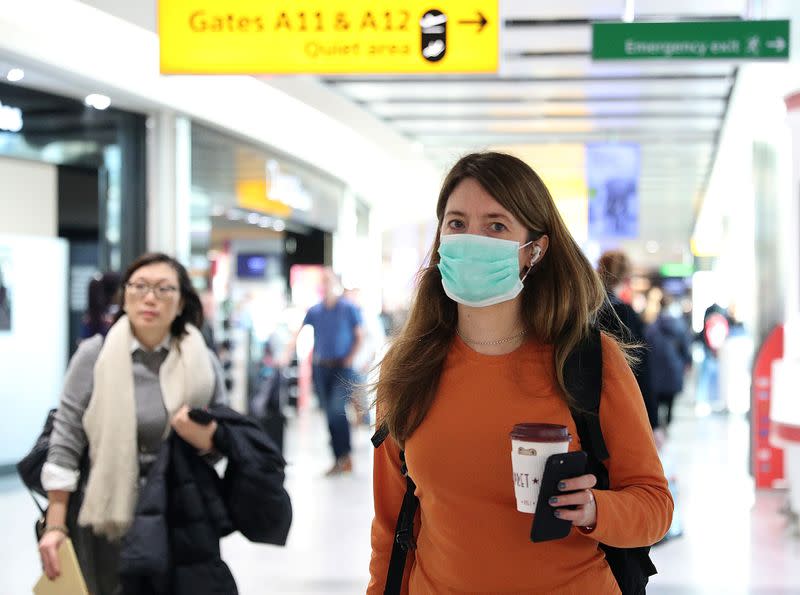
x=480 y=271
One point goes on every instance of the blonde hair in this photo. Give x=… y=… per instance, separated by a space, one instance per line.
x=560 y=299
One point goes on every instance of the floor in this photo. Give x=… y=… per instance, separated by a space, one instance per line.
x=734 y=541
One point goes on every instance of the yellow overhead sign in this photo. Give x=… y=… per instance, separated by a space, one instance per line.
x=254 y=196
x=328 y=36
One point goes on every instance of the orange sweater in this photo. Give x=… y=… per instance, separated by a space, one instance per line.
x=470 y=536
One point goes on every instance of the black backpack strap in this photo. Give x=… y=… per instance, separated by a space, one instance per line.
x=404 y=529
x=583 y=377
x=403 y=536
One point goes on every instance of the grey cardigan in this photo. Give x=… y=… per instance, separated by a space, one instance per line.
x=68 y=439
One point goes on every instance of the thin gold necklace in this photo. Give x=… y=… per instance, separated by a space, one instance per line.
x=495 y=342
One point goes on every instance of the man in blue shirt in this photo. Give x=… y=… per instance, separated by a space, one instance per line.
x=337 y=337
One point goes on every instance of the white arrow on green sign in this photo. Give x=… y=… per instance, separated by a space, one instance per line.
x=696 y=40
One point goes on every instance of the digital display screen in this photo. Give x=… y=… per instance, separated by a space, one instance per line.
x=251 y=266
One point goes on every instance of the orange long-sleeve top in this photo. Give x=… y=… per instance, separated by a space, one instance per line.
x=470 y=536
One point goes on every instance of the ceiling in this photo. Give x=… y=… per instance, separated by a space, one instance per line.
x=550 y=99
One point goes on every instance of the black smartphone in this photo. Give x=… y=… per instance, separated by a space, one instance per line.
x=200 y=416
x=546 y=525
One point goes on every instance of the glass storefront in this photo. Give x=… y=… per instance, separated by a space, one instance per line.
x=261 y=225
x=99 y=198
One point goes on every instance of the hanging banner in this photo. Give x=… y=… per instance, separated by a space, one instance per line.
x=612 y=176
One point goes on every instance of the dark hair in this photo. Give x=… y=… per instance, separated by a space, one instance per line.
x=103 y=293
x=192 y=312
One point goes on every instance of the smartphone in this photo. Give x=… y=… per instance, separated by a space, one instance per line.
x=546 y=525
x=200 y=416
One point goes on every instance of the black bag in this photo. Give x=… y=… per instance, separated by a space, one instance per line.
x=583 y=376
x=29 y=469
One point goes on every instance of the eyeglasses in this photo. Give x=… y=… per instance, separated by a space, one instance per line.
x=141 y=289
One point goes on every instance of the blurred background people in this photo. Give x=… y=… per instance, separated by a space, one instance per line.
x=338 y=335
x=716 y=327
x=669 y=357
x=102 y=305
x=621 y=320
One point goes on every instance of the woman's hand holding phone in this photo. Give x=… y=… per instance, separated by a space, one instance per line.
x=565 y=498
x=584 y=513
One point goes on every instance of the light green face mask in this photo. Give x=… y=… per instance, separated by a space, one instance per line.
x=480 y=271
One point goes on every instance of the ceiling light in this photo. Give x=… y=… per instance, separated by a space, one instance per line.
x=627 y=15
x=218 y=211
x=266 y=222
x=97 y=101
x=234 y=215
x=15 y=75
x=651 y=247
x=253 y=218
x=279 y=225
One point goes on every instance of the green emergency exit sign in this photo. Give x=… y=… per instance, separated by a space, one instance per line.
x=696 y=40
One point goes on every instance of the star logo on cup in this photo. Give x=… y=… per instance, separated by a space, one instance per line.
x=535 y=480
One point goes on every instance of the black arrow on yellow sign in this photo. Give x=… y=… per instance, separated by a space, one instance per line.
x=481 y=22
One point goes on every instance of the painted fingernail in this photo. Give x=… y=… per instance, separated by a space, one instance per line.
x=562 y=485
x=553 y=500
x=557 y=514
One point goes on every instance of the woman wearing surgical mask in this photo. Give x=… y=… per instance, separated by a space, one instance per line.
x=505 y=299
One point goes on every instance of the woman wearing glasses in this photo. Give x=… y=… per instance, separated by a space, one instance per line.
x=121 y=397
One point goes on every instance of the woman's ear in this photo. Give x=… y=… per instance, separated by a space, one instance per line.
x=539 y=249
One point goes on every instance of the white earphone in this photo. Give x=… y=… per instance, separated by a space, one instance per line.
x=536 y=253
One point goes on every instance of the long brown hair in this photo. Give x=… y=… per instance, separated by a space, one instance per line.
x=559 y=301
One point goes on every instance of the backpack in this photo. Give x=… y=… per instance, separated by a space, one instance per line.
x=583 y=376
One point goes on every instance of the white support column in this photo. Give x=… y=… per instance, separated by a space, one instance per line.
x=169 y=166
x=161 y=183
x=183 y=189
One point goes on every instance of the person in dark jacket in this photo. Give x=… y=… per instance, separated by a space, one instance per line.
x=172 y=547
x=670 y=355
x=621 y=320
x=121 y=395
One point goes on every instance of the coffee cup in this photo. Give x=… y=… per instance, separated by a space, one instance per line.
x=531 y=444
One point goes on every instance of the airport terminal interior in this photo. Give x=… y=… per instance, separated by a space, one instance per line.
x=287 y=158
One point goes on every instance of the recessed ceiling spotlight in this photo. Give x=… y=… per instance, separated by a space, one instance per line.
x=279 y=225
x=651 y=247
x=253 y=218
x=15 y=75
x=97 y=101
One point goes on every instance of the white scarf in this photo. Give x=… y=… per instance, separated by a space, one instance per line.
x=186 y=377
